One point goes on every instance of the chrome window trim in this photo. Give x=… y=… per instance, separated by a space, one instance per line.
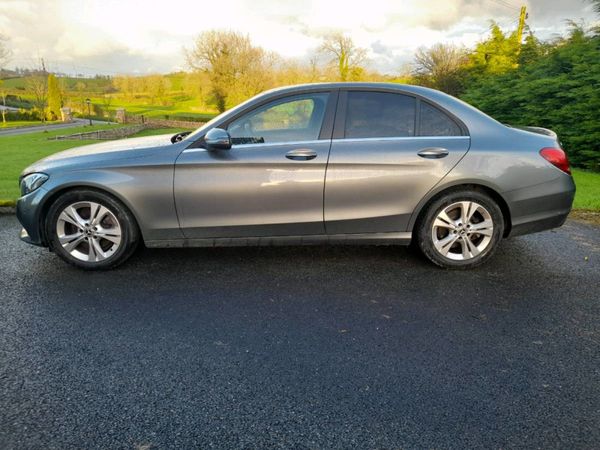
x=273 y=144
x=399 y=138
x=317 y=141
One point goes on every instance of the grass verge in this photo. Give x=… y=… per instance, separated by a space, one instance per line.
x=588 y=190
x=24 y=123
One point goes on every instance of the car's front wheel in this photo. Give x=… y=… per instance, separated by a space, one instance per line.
x=460 y=230
x=91 y=230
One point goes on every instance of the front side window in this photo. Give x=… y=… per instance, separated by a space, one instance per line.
x=297 y=118
x=379 y=114
x=437 y=123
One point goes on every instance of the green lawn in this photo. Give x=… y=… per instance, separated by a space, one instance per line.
x=588 y=190
x=22 y=123
x=17 y=152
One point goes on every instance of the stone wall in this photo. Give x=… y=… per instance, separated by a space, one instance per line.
x=112 y=133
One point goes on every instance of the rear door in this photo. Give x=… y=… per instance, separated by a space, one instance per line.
x=389 y=149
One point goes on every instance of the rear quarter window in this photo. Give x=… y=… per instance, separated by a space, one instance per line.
x=435 y=122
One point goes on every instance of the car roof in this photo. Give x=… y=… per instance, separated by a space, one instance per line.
x=355 y=85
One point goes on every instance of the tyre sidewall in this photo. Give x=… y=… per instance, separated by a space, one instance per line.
x=129 y=230
x=424 y=231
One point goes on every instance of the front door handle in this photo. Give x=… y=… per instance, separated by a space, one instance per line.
x=433 y=153
x=301 y=154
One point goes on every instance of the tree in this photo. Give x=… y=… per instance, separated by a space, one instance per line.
x=558 y=90
x=4 y=52
x=440 y=67
x=3 y=95
x=107 y=101
x=532 y=50
x=497 y=54
x=345 y=55
x=157 y=88
x=37 y=84
x=80 y=87
x=236 y=69
x=54 y=97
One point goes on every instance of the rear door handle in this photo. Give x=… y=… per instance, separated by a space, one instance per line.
x=433 y=153
x=301 y=154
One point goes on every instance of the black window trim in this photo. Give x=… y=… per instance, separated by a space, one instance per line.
x=339 y=128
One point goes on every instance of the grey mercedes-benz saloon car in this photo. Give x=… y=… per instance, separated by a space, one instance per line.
x=318 y=163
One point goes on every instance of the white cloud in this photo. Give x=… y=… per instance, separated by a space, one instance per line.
x=140 y=36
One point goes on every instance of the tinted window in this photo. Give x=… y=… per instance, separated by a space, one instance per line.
x=437 y=123
x=297 y=118
x=379 y=114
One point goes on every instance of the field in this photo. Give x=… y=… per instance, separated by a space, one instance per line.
x=176 y=103
x=17 y=152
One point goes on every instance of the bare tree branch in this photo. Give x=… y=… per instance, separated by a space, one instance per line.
x=439 y=66
x=344 y=54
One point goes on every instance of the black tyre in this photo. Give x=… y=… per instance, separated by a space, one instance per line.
x=91 y=230
x=460 y=229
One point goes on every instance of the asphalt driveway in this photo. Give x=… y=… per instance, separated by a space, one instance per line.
x=311 y=347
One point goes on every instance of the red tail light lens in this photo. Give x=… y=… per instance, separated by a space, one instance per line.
x=557 y=157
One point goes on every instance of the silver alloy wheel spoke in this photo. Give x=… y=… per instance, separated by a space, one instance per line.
x=444 y=245
x=110 y=234
x=98 y=212
x=89 y=231
x=462 y=230
x=485 y=228
x=71 y=241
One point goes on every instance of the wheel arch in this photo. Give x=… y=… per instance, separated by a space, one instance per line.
x=63 y=189
x=436 y=193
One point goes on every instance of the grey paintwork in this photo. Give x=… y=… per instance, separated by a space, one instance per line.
x=183 y=194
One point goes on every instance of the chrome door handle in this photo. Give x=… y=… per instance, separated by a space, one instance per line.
x=301 y=154
x=433 y=153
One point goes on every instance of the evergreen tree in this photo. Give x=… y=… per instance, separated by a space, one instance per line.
x=54 y=98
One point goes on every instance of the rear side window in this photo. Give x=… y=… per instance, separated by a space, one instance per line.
x=379 y=114
x=435 y=122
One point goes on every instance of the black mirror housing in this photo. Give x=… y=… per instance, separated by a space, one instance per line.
x=217 y=139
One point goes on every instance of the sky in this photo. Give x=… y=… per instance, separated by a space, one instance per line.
x=138 y=37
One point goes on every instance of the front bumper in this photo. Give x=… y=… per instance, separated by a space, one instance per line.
x=29 y=209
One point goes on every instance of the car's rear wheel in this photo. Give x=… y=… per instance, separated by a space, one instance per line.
x=460 y=229
x=91 y=230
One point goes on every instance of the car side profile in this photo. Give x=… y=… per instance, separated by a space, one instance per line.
x=376 y=163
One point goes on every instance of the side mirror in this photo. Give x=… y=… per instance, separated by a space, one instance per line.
x=217 y=139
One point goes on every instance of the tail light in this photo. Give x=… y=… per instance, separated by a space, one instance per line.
x=557 y=157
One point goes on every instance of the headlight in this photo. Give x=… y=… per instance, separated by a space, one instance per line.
x=31 y=182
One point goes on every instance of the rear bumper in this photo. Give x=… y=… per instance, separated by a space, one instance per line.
x=540 y=207
x=28 y=214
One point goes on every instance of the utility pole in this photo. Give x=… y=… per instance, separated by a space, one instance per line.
x=522 y=16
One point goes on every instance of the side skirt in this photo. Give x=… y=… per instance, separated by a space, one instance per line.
x=396 y=238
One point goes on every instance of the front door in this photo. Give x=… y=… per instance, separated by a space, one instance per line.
x=389 y=149
x=270 y=183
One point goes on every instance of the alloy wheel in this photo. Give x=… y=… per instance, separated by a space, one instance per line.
x=89 y=231
x=462 y=230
